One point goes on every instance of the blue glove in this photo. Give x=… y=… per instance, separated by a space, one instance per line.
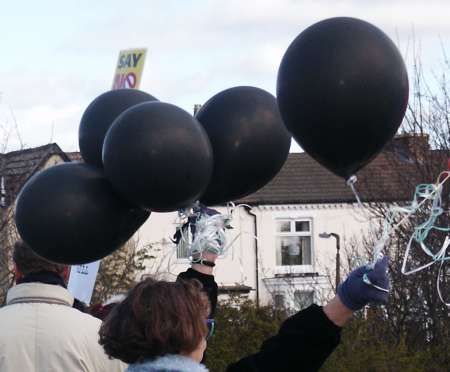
x=365 y=285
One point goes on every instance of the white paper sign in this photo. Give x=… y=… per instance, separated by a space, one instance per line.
x=82 y=281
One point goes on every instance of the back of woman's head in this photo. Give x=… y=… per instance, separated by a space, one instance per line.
x=156 y=318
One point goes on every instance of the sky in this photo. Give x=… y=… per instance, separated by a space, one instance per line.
x=57 y=56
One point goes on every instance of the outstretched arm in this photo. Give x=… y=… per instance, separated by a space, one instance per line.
x=303 y=343
x=306 y=339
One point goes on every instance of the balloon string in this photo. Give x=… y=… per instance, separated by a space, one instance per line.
x=380 y=244
x=208 y=231
x=351 y=182
x=424 y=193
x=443 y=274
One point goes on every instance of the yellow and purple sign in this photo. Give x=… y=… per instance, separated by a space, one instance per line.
x=129 y=69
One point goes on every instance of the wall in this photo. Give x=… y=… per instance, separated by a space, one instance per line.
x=52 y=160
x=342 y=219
x=237 y=265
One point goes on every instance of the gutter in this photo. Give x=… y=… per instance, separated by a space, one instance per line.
x=249 y=211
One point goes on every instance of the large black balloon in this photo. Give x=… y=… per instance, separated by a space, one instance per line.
x=342 y=92
x=99 y=116
x=158 y=156
x=250 y=142
x=69 y=214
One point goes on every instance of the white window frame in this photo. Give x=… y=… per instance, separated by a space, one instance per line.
x=294 y=269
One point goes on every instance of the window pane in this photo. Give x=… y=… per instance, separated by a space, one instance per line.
x=279 y=301
x=302 y=226
x=289 y=251
x=283 y=226
x=305 y=243
x=293 y=250
x=303 y=299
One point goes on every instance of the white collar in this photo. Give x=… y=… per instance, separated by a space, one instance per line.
x=39 y=292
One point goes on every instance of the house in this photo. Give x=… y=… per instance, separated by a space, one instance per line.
x=277 y=252
x=16 y=168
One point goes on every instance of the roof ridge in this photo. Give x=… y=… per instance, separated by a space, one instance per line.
x=32 y=149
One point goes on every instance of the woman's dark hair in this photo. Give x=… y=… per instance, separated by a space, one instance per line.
x=156 y=318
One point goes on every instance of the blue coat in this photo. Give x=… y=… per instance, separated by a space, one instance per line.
x=168 y=363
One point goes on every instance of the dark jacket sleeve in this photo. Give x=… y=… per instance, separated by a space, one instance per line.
x=209 y=286
x=302 y=344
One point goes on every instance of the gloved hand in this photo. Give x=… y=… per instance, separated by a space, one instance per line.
x=360 y=287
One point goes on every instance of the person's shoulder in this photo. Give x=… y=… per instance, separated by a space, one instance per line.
x=88 y=318
x=80 y=316
x=4 y=312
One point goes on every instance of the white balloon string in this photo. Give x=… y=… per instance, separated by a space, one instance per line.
x=424 y=193
x=208 y=231
x=209 y=234
x=442 y=273
x=361 y=208
x=351 y=182
x=383 y=239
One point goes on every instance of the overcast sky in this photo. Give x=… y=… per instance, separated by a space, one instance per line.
x=57 y=56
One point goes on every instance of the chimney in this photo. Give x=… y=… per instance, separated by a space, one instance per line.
x=413 y=145
x=197 y=108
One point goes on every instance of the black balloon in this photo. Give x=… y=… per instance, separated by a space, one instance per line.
x=342 y=92
x=158 y=156
x=69 y=214
x=99 y=116
x=250 y=142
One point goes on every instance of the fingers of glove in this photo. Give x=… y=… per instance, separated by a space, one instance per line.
x=378 y=275
x=381 y=265
x=359 y=272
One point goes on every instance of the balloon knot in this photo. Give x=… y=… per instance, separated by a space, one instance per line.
x=351 y=180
